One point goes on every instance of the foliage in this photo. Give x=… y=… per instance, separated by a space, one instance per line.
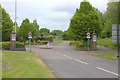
x=45 y=32
x=111 y=16
x=42 y=42
x=64 y=35
x=85 y=17
x=7 y=26
x=106 y=42
x=6 y=45
x=36 y=26
x=26 y=27
x=78 y=45
x=56 y=33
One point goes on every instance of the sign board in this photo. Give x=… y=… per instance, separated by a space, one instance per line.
x=13 y=37
x=88 y=34
x=114 y=33
x=94 y=38
x=30 y=35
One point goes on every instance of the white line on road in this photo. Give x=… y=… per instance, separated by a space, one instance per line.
x=67 y=56
x=80 y=61
x=107 y=71
x=75 y=59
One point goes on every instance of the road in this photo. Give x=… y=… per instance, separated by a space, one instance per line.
x=66 y=62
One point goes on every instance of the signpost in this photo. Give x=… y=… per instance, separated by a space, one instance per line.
x=29 y=36
x=94 y=40
x=88 y=36
x=116 y=35
x=13 y=41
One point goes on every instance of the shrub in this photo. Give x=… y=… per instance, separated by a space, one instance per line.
x=6 y=45
x=78 y=45
x=42 y=42
x=72 y=43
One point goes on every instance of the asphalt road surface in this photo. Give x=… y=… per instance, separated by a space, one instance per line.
x=66 y=62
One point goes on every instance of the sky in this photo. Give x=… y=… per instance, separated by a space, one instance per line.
x=51 y=14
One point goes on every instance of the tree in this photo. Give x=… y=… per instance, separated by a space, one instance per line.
x=56 y=33
x=85 y=17
x=64 y=35
x=0 y=23
x=45 y=32
x=26 y=27
x=7 y=26
x=111 y=16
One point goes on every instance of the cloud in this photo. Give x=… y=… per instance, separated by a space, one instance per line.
x=52 y=14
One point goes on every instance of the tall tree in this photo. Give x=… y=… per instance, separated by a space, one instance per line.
x=26 y=27
x=7 y=26
x=111 y=16
x=85 y=17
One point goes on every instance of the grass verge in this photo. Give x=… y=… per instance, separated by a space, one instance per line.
x=108 y=55
x=107 y=42
x=24 y=65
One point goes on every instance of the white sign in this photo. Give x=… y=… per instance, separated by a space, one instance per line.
x=114 y=33
x=13 y=37
x=88 y=34
x=94 y=38
x=30 y=35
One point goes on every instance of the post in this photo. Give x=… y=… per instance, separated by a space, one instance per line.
x=88 y=39
x=30 y=46
x=15 y=13
x=12 y=41
x=118 y=39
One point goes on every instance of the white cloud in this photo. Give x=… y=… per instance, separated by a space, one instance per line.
x=52 y=14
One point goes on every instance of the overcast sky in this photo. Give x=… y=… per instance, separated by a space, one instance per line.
x=51 y=14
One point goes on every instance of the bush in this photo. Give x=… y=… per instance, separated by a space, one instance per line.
x=42 y=42
x=78 y=45
x=72 y=43
x=6 y=45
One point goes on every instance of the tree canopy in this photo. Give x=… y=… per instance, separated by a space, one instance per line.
x=7 y=26
x=111 y=16
x=26 y=27
x=85 y=17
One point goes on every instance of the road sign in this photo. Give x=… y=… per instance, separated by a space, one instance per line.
x=88 y=34
x=13 y=37
x=114 y=33
x=94 y=38
x=30 y=35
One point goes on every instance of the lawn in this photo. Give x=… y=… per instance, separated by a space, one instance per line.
x=108 y=55
x=106 y=42
x=24 y=65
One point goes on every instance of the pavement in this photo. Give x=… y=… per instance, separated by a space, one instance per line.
x=66 y=62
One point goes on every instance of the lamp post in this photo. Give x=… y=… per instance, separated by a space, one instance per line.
x=15 y=13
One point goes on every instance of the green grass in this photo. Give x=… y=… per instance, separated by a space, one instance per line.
x=106 y=42
x=24 y=65
x=108 y=55
x=57 y=39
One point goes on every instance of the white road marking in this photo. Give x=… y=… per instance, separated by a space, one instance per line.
x=75 y=59
x=107 y=71
x=80 y=61
x=67 y=56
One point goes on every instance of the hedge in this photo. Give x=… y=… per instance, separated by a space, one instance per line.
x=6 y=45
